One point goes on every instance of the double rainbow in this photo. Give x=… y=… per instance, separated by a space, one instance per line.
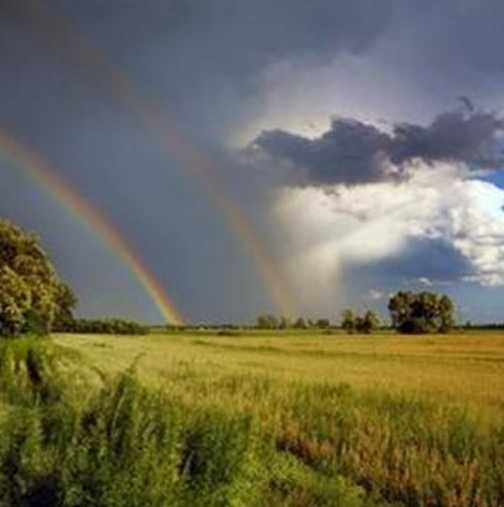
x=172 y=142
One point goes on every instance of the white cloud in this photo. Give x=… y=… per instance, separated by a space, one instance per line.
x=423 y=280
x=375 y=294
x=333 y=228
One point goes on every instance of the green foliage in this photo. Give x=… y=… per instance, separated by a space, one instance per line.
x=366 y=323
x=348 y=321
x=27 y=372
x=15 y=301
x=259 y=442
x=423 y=312
x=221 y=460
x=66 y=301
x=284 y=323
x=369 y=322
x=300 y=324
x=35 y=323
x=30 y=290
x=267 y=321
x=128 y=446
x=294 y=483
x=323 y=323
x=105 y=326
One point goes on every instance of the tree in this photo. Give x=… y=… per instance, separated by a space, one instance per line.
x=368 y=323
x=66 y=301
x=267 y=321
x=15 y=301
x=29 y=285
x=422 y=312
x=348 y=321
x=283 y=323
x=323 y=323
x=447 y=310
x=300 y=323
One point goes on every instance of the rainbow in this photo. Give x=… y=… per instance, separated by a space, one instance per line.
x=170 y=140
x=46 y=176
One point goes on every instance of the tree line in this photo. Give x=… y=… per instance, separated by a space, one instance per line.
x=410 y=313
x=35 y=300
x=105 y=326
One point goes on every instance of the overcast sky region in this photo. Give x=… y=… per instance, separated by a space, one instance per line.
x=352 y=148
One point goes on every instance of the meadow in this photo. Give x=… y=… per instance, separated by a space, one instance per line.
x=255 y=418
x=462 y=369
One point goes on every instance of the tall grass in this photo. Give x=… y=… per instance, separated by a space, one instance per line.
x=420 y=453
x=125 y=445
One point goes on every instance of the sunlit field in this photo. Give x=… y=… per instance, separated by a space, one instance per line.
x=414 y=421
x=463 y=369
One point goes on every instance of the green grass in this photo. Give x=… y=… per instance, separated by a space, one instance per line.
x=121 y=444
x=416 y=419
x=256 y=419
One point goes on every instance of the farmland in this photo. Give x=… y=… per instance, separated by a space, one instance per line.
x=463 y=369
x=414 y=420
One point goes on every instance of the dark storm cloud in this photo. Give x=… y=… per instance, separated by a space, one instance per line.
x=352 y=152
x=452 y=136
x=204 y=62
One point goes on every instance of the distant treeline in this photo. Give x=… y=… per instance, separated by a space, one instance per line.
x=269 y=321
x=410 y=313
x=491 y=325
x=263 y=322
x=104 y=326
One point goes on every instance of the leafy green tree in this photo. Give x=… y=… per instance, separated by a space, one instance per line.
x=15 y=301
x=66 y=302
x=348 y=320
x=422 y=312
x=29 y=285
x=300 y=323
x=267 y=321
x=368 y=323
x=447 y=310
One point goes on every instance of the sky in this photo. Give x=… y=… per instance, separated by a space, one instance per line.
x=286 y=157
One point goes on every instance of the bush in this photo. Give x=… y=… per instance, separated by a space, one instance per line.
x=35 y=324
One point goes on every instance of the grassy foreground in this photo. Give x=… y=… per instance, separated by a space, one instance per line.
x=295 y=420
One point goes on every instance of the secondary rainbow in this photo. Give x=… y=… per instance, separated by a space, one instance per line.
x=170 y=139
x=40 y=171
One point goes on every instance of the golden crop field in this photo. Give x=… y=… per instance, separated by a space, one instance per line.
x=465 y=369
x=254 y=418
x=415 y=420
